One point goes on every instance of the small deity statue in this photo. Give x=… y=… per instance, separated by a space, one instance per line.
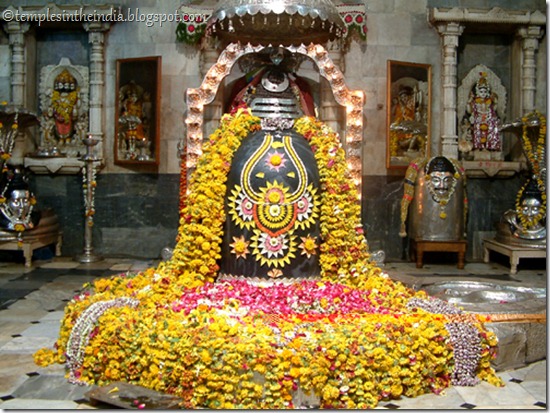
x=482 y=117
x=133 y=118
x=528 y=220
x=405 y=107
x=64 y=108
x=407 y=128
x=435 y=193
x=17 y=203
x=440 y=179
x=465 y=144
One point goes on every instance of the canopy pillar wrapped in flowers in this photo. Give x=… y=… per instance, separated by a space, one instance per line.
x=351 y=338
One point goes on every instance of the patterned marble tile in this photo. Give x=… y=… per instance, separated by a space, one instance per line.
x=512 y=407
x=99 y=265
x=23 y=311
x=534 y=372
x=27 y=345
x=122 y=267
x=37 y=404
x=8 y=384
x=487 y=394
x=143 y=265
x=447 y=400
x=59 y=264
x=9 y=328
x=44 y=329
x=537 y=389
x=12 y=371
x=53 y=315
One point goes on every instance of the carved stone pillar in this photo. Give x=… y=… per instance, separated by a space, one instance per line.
x=450 y=34
x=96 y=37
x=16 y=32
x=529 y=44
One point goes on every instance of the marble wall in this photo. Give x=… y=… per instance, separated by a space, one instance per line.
x=137 y=215
x=137 y=207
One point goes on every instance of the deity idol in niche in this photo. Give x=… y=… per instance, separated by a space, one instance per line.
x=272 y=204
x=134 y=117
x=528 y=220
x=407 y=133
x=64 y=107
x=482 y=118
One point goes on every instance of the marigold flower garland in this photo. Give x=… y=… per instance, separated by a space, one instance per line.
x=64 y=104
x=535 y=156
x=353 y=338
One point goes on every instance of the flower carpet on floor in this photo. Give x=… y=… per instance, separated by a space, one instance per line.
x=351 y=337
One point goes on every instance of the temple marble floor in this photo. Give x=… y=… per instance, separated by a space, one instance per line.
x=32 y=302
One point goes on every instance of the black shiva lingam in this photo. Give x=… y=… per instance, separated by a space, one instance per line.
x=272 y=204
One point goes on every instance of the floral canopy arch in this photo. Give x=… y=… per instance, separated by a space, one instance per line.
x=352 y=100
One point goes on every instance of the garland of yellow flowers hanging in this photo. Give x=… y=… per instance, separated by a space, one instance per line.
x=63 y=105
x=344 y=253
x=534 y=155
x=534 y=158
x=8 y=140
x=183 y=178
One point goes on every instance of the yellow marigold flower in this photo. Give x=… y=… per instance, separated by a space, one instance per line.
x=330 y=392
x=205 y=357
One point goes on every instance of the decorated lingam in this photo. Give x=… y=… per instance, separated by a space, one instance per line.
x=16 y=200
x=20 y=220
x=272 y=207
x=17 y=203
x=270 y=295
x=525 y=225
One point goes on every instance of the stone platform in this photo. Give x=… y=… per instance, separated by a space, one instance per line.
x=47 y=232
x=514 y=252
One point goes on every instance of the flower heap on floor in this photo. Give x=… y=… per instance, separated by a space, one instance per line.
x=352 y=338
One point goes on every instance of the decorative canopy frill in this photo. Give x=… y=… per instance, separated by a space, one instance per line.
x=282 y=22
x=12 y=120
x=11 y=115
